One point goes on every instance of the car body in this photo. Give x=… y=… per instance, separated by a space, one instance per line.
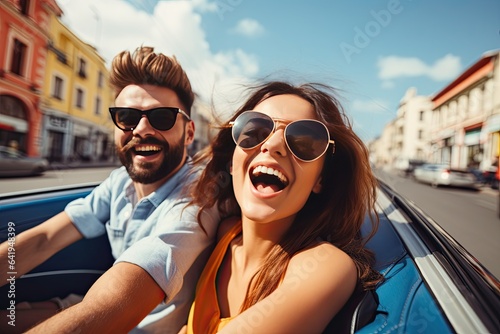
x=431 y=284
x=407 y=166
x=442 y=175
x=16 y=163
x=412 y=164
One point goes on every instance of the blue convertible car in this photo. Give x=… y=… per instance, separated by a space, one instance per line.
x=432 y=285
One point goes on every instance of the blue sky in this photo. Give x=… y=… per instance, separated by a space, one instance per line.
x=372 y=51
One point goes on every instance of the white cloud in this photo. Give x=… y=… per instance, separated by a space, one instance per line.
x=443 y=69
x=205 y=5
x=249 y=28
x=174 y=28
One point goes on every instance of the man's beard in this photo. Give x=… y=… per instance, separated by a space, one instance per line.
x=150 y=172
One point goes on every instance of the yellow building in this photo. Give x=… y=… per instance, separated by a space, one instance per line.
x=75 y=99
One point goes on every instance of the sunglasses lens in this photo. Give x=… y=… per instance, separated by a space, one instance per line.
x=127 y=118
x=162 y=118
x=307 y=139
x=251 y=129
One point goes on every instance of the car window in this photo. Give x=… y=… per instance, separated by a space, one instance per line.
x=9 y=154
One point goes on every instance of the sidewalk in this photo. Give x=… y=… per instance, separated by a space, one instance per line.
x=488 y=190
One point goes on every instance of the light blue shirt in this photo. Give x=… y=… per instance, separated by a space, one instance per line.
x=159 y=233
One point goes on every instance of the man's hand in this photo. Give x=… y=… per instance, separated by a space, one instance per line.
x=116 y=303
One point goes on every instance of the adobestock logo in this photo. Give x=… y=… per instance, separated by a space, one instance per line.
x=363 y=37
x=224 y=6
x=295 y=279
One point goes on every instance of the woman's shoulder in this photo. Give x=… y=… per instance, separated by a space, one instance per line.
x=324 y=258
x=321 y=248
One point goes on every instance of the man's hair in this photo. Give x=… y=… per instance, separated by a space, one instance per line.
x=144 y=67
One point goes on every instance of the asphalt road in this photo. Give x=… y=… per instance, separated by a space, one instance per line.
x=54 y=178
x=470 y=217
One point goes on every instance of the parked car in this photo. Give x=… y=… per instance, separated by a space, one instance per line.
x=442 y=175
x=15 y=163
x=412 y=164
x=407 y=166
x=431 y=285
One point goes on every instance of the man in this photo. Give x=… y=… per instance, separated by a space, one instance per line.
x=141 y=206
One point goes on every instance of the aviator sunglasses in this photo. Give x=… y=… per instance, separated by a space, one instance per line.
x=307 y=139
x=161 y=118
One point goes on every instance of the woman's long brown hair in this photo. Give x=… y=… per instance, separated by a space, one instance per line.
x=336 y=214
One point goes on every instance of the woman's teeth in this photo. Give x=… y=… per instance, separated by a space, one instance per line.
x=270 y=171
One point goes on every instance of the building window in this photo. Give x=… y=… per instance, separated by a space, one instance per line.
x=82 y=73
x=25 y=6
x=100 y=80
x=12 y=107
x=18 y=57
x=97 y=106
x=79 y=98
x=420 y=134
x=421 y=116
x=58 y=88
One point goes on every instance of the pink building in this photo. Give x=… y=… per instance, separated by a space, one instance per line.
x=24 y=26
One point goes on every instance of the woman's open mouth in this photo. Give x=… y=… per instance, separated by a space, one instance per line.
x=267 y=179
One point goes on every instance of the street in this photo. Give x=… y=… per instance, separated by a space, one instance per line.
x=54 y=178
x=469 y=216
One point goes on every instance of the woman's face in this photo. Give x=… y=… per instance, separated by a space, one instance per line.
x=270 y=183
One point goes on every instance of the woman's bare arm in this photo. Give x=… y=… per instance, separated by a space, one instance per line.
x=317 y=284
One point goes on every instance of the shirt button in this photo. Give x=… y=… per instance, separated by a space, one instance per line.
x=126 y=214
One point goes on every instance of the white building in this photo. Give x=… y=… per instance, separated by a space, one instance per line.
x=201 y=114
x=459 y=125
x=406 y=137
x=466 y=116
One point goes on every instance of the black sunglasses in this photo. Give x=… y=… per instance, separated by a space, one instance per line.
x=161 y=118
x=307 y=139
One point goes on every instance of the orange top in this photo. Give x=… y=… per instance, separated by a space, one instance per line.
x=204 y=316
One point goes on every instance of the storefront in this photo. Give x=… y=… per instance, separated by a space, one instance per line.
x=57 y=127
x=474 y=148
x=72 y=140
x=493 y=132
x=13 y=122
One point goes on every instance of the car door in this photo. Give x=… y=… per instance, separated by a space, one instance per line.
x=8 y=164
x=427 y=173
x=17 y=163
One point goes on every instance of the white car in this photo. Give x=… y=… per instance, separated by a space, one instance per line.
x=442 y=175
x=15 y=163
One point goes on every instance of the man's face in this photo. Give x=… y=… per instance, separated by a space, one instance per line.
x=148 y=154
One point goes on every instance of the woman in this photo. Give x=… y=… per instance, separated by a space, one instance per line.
x=289 y=166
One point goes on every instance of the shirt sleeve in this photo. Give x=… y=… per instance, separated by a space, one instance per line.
x=173 y=251
x=89 y=214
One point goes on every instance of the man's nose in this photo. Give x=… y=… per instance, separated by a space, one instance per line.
x=143 y=128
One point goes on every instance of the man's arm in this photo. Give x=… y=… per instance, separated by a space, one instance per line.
x=37 y=244
x=116 y=303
